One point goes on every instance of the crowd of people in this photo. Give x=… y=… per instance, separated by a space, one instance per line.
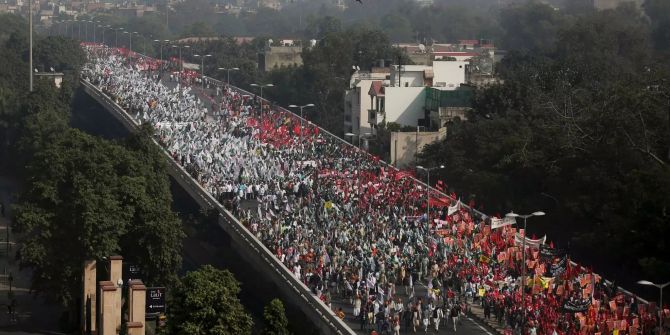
x=354 y=229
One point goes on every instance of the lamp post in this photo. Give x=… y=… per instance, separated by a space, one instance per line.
x=202 y=68
x=30 y=59
x=660 y=301
x=228 y=71
x=94 y=23
x=160 y=44
x=416 y=141
x=130 y=41
x=116 y=36
x=352 y=135
x=419 y=167
x=523 y=260
x=85 y=30
x=181 y=63
x=301 y=119
x=261 y=86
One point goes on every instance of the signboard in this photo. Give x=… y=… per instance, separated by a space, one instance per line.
x=131 y=271
x=155 y=300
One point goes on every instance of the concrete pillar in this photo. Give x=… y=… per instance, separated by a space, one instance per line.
x=88 y=298
x=135 y=328
x=108 y=306
x=115 y=269
x=116 y=277
x=137 y=304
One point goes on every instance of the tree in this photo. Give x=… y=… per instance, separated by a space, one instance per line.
x=275 y=318
x=531 y=26
x=101 y=198
x=72 y=195
x=205 y=303
x=580 y=131
x=659 y=13
x=154 y=237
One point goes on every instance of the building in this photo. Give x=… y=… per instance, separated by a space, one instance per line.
x=134 y=11
x=279 y=56
x=357 y=102
x=406 y=144
x=443 y=106
x=424 y=3
x=611 y=4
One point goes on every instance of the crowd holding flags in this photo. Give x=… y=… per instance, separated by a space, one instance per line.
x=345 y=224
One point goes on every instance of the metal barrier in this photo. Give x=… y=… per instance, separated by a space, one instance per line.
x=329 y=322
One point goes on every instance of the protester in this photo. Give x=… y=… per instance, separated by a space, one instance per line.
x=345 y=223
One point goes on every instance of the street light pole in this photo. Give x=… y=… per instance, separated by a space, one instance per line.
x=30 y=58
x=301 y=119
x=419 y=167
x=523 y=261
x=660 y=301
x=93 y=23
x=261 y=86
x=228 y=72
x=202 y=68
x=416 y=142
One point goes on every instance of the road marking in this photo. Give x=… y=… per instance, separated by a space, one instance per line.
x=479 y=325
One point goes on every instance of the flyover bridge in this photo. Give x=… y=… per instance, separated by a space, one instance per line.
x=251 y=247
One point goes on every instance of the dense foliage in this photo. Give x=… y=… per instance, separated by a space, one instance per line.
x=580 y=128
x=275 y=318
x=83 y=197
x=205 y=303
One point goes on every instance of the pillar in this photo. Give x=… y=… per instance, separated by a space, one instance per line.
x=135 y=328
x=88 y=298
x=116 y=277
x=115 y=269
x=137 y=307
x=108 y=306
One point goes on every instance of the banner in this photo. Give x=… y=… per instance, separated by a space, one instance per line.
x=403 y=174
x=497 y=223
x=453 y=209
x=518 y=240
x=439 y=202
x=576 y=306
x=548 y=252
x=559 y=268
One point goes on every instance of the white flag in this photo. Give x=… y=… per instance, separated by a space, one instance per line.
x=497 y=223
x=530 y=243
x=453 y=209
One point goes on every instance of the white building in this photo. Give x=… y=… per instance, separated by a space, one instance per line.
x=397 y=95
x=357 y=101
x=449 y=74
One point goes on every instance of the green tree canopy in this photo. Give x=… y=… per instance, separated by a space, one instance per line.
x=205 y=303
x=101 y=198
x=581 y=131
x=275 y=318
